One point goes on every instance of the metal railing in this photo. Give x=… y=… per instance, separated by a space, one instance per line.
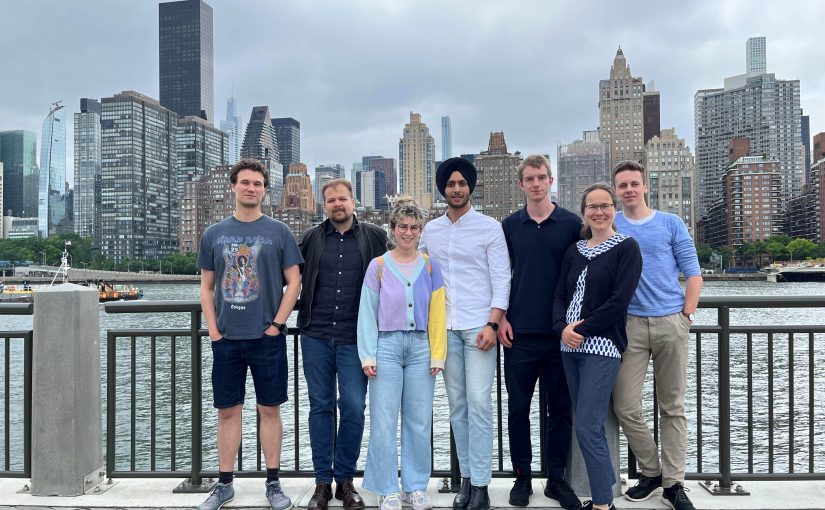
x=756 y=394
x=17 y=388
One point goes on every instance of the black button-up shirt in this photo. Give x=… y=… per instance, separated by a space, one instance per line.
x=337 y=288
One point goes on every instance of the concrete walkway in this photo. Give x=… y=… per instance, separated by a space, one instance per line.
x=156 y=493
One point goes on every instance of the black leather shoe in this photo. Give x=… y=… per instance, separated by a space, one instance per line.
x=346 y=492
x=479 y=499
x=320 y=500
x=462 y=499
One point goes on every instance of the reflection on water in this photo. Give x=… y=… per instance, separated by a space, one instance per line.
x=778 y=395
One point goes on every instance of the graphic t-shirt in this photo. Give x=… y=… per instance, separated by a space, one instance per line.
x=248 y=259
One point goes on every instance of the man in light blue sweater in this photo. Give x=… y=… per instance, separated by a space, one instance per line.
x=658 y=326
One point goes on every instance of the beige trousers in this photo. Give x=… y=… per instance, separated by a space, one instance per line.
x=666 y=340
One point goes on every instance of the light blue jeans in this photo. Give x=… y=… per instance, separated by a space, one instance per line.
x=468 y=375
x=402 y=384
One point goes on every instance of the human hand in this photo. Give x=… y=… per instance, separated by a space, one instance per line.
x=434 y=371
x=370 y=371
x=505 y=332
x=570 y=338
x=486 y=338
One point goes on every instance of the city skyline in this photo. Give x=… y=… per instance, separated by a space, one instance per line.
x=545 y=92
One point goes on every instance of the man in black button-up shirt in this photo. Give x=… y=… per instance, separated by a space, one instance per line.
x=336 y=255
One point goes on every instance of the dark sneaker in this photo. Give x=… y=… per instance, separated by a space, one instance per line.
x=644 y=488
x=560 y=490
x=222 y=493
x=276 y=497
x=588 y=505
x=675 y=497
x=520 y=493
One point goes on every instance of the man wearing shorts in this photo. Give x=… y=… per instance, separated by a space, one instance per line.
x=245 y=261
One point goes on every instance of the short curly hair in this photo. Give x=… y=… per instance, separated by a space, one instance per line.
x=248 y=164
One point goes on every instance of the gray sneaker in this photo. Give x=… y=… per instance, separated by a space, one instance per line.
x=276 y=497
x=222 y=493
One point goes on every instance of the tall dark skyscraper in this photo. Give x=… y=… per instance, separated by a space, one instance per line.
x=21 y=177
x=261 y=142
x=806 y=142
x=87 y=167
x=186 y=69
x=288 y=133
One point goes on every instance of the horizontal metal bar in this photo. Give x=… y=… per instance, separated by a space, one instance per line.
x=152 y=306
x=762 y=301
x=16 y=308
x=15 y=334
x=128 y=333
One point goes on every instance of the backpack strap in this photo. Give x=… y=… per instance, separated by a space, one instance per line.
x=380 y=270
x=429 y=264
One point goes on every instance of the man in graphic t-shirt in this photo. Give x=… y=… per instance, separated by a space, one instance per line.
x=245 y=262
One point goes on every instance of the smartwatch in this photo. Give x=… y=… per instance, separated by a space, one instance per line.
x=690 y=316
x=493 y=325
x=279 y=326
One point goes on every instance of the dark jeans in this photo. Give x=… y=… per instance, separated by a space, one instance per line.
x=334 y=455
x=532 y=356
x=591 y=378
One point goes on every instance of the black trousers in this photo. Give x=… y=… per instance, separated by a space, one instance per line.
x=533 y=356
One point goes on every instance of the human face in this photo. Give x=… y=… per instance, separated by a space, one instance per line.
x=457 y=191
x=535 y=183
x=338 y=204
x=249 y=189
x=630 y=186
x=599 y=211
x=407 y=232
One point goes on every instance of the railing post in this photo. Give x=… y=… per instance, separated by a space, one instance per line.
x=196 y=482
x=724 y=397
x=455 y=470
x=197 y=404
x=67 y=454
x=725 y=486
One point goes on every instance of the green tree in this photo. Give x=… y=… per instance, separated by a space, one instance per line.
x=801 y=249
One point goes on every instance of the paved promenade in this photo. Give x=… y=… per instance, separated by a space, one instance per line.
x=156 y=493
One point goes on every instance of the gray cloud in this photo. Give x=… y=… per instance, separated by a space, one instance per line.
x=352 y=71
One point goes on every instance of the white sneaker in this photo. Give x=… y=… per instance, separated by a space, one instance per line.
x=418 y=499
x=389 y=502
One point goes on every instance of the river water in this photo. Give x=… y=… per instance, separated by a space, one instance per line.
x=164 y=406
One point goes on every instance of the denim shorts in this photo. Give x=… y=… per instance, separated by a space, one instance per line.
x=266 y=359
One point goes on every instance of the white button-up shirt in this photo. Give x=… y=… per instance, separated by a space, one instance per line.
x=475 y=264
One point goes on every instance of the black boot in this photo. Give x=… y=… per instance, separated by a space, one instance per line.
x=479 y=499
x=462 y=499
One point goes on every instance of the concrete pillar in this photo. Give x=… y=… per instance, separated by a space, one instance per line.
x=67 y=450
x=577 y=472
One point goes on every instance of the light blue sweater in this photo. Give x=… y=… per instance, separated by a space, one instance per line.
x=667 y=250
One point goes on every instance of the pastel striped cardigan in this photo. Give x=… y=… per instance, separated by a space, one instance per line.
x=393 y=303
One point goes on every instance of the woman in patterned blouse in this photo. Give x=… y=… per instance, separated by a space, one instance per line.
x=599 y=275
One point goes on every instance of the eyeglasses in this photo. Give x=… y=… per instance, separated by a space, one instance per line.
x=412 y=228
x=598 y=207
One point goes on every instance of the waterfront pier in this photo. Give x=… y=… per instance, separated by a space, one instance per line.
x=756 y=394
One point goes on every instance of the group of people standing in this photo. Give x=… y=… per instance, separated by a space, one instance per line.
x=583 y=306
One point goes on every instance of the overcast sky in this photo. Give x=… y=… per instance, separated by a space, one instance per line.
x=351 y=71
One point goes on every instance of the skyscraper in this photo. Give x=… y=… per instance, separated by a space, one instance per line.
x=756 y=60
x=498 y=172
x=324 y=174
x=806 y=143
x=288 y=135
x=233 y=127
x=416 y=161
x=759 y=107
x=200 y=148
x=623 y=122
x=139 y=188
x=298 y=191
x=671 y=174
x=261 y=143
x=204 y=202
x=446 y=138
x=186 y=63
x=87 y=166
x=18 y=153
x=387 y=167
x=51 y=202
x=581 y=164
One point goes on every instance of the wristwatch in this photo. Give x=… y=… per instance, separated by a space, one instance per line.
x=279 y=326
x=690 y=316
x=493 y=325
